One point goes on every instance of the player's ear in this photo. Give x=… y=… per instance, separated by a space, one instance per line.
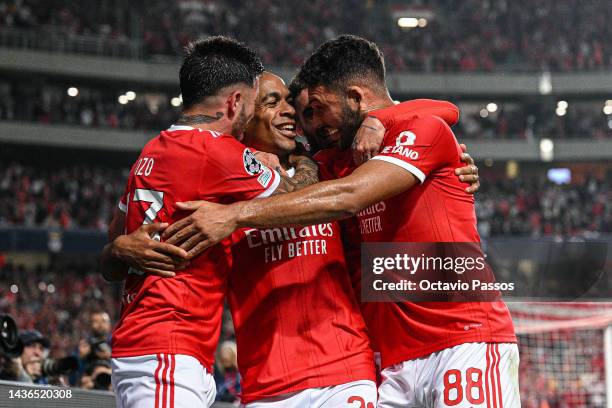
x=355 y=97
x=234 y=101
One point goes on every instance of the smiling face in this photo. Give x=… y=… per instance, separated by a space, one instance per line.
x=303 y=116
x=334 y=121
x=272 y=128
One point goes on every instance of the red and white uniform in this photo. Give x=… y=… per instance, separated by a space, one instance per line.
x=182 y=315
x=435 y=210
x=297 y=323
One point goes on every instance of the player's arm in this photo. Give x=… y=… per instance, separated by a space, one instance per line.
x=112 y=268
x=372 y=182
x=139 y=250
x=306 y=173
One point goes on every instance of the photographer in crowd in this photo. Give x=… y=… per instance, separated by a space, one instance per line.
x=97 y=377
x=94 y=352
x=32 y=365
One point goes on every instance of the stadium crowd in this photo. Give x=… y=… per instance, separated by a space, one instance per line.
x=98 y=107
x=472 y=35
x=536 y=207
x=547 y=375
x=66 y=197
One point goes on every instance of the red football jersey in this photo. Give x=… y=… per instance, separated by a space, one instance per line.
x=297 y=322
x=436 y=210
x=182 y=315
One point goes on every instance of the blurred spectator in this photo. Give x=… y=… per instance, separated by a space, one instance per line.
x=98 y=376
x=226 y=373
x=28 y=366
x=35 y=350
x=33 y=365
x=94 y=352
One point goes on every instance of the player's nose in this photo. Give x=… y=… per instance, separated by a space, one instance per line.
x=287 y=109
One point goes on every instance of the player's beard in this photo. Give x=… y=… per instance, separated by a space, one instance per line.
x=351 y=120
x=240 y=124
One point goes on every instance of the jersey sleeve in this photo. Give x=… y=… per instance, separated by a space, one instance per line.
x=419 y=145
x=123 y=201
x=232 y=170
x=393 y=115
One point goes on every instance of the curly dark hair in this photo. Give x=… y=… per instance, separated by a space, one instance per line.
x=347 y=59
x=213 y=64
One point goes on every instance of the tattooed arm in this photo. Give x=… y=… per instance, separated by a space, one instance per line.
x=306 y=173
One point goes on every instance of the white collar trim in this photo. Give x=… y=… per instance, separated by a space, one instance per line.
x=179 y=127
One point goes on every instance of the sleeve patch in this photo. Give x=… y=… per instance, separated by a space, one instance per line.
x=265 y=177
x=251 y=164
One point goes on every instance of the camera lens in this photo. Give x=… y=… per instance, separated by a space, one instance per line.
x=9 y=337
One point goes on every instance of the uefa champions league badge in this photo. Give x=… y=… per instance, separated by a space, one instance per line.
x=251 y=164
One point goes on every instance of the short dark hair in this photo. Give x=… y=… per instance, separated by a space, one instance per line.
x=213 y=64
x=296 y=87
x=343 y=60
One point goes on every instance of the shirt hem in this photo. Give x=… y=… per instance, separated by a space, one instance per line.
x=334 y=381
x=425 y=351
x=208 y=364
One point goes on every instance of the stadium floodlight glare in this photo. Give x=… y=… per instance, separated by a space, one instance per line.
x=422 y=22
x=484 y=113
x=547 y=148
x=562 y=105
x=123 y=99
x=72 y=91
x=545 y=84
x=408 y=22
x=560 y=111
x=131 y=95
x=492 y=107
x=607 y=109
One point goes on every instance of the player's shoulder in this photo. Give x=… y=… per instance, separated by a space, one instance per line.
x=424 y=127
x=181 y=130
x=425 y=121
